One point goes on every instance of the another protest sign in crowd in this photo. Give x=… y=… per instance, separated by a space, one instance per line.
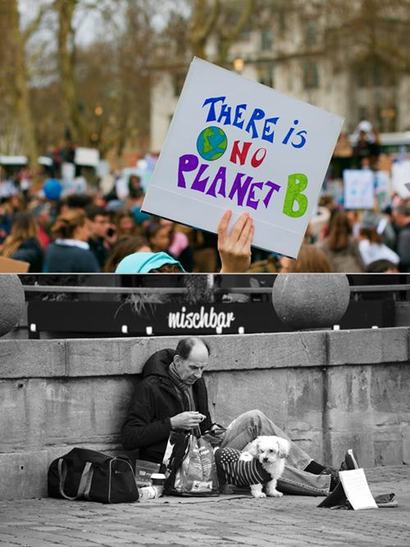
x=56 y=229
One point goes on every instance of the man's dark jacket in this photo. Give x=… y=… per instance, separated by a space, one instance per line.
x=155 y=401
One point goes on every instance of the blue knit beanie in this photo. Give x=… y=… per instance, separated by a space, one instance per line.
x=141 y=262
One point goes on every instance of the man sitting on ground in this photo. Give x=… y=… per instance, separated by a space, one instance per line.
x=172 y=395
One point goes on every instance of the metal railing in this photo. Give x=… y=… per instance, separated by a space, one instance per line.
x=183 y=290
x=100 y=290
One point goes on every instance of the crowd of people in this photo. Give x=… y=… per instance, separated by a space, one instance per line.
x=82 y=233
x=94 y=230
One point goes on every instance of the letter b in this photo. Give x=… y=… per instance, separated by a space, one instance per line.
x=297 y=182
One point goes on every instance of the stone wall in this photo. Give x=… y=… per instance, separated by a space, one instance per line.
x=330 y=390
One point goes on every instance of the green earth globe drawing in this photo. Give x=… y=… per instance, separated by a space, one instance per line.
x=211 y=143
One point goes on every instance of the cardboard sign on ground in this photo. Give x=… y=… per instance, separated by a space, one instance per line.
x=9 y=265
x=357 y=489
x=236 y=144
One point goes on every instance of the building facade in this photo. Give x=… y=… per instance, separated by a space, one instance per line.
x=292 y=58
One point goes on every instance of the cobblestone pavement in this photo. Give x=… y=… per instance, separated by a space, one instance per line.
x=290 y=521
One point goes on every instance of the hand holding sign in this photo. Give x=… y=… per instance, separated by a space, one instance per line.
x=235 y=247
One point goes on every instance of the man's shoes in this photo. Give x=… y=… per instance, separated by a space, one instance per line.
x=334 y=476
x=386 y=500
x=336 y=497
x=350 y=462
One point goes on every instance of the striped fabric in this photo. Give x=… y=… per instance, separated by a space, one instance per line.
x=239 y=473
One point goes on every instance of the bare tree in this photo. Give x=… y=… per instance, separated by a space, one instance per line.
x=66 y=63
x=204 y=16
x=235 y=17
x=16 y=71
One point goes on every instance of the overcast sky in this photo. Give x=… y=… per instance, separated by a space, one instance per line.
x=85 y=20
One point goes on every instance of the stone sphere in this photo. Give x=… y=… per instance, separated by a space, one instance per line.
x=11 y=302
x=310 y=301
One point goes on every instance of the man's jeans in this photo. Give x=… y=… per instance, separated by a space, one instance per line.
x=294 y=480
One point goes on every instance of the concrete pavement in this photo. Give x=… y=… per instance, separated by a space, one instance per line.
x=289 y=521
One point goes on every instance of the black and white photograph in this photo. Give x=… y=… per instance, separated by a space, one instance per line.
x=204 y=273
x=237 y=401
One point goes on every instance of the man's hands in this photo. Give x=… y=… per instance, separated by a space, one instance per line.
x=187 y=420
x=235 y=248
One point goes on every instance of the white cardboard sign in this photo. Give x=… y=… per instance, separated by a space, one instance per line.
x=357 y=489
x=359 y=188
x=236 y=144
x=86 y=156
x=401 y=177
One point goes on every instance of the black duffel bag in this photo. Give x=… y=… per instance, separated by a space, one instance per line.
x=93 y=476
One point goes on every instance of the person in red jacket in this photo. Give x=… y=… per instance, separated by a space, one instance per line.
x=172 y=395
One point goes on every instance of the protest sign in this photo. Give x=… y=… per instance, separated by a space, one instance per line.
x=335 y=188
x=68 y=172
x=383 y=191
x=236 y=144
x=87 y=156
x=359 y=188
x=400 y=177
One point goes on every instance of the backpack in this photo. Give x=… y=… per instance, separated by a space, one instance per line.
x=93 y=476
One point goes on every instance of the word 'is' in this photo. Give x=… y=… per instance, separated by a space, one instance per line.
x=256 y=123
x=243 y=188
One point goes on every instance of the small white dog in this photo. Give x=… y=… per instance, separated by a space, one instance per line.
x=271 y=452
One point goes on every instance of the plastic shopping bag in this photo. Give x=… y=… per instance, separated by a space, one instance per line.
x=189 y=466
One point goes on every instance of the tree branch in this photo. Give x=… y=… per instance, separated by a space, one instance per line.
x=34 y=25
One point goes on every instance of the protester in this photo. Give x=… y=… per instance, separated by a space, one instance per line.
x=23 y=243
x=179 y=245
x=267 y=265
x=173 y=396
x=70 y=252
x=234 y=249
x=149 y=262
x=125 y=224
x=367 y=148
x=382 y=266
x=204 y=251
x=135 y=190
x=339 y=246
x=125 y=246
x=5 y=219
x=372 y=248
x=42 y=213
x=99 y=224
x=311 y=259
x=386 y=229
x=75 y=201
x=342 y=155
x=402 y=219
x=320 y=222
x=158 y=236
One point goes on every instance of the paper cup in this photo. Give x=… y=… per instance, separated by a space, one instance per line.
x=158 y=480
